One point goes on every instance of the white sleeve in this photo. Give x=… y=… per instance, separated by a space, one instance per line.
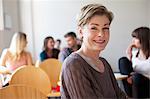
x=142 y=66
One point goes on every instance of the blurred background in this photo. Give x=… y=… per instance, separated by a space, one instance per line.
x=41 y=18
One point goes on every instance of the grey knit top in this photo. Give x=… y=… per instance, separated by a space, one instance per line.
x=81 y=81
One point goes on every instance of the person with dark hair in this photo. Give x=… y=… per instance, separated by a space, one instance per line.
x=57 y=44
x=73 y=46
x=86 y=75
x=138 y=53
x=48 y=49
x=70 y=34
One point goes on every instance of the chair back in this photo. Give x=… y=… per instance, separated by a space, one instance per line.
x=125 y=66
x=21 y=92
x=53 y=68
x=32 y=76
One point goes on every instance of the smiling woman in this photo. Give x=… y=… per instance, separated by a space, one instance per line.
x=85 y=74
x=48 y=49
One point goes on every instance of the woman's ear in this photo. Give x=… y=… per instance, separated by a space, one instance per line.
x=80 y=31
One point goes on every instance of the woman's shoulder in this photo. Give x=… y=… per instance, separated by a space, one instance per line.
x=105 y=62
x=73 y=61
x=74 y=57
x=137 y=61
x=43 y=52
x=27 y=53
x=5 y=51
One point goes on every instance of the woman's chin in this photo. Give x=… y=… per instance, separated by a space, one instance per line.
x=99 y=49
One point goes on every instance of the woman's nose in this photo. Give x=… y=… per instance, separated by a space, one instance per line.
x=100 y=33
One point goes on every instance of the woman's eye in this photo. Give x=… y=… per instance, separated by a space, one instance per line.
x=106 y=29
x=93 y=28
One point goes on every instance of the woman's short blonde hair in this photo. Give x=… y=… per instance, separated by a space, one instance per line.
x=18 y=44
x=90 y=10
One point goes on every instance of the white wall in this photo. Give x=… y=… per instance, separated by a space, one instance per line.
x=10 y=9
x=56 y=17
x=1 y=23
x=25 y=10
x=53 y=18
x=1 y=16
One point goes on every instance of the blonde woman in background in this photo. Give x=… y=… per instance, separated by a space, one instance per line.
x=16 y=55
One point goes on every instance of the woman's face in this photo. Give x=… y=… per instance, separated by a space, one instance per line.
x=136 y=42
x=50 y=44
x=96 y=33
x=23 y=43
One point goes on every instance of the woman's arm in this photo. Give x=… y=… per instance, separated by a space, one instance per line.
x=3 y=58
x=3 y=62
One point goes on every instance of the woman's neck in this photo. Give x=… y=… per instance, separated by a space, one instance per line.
x=89 y=53
x=93 y=57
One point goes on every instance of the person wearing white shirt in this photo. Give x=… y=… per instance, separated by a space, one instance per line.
x=138 y=53
x=141 y=66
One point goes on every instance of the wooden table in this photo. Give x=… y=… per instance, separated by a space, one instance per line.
x=54 y=94
x=119 y=76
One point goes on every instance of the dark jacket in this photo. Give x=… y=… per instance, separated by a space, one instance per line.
x=65 y=53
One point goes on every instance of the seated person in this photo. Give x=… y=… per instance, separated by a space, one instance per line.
x=72 y=46
x=48 y=49
x=16 y=55
x=138 y=53
x=57 y=44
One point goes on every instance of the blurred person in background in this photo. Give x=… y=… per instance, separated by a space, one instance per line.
x=57 y=44
x=138 y=53
x=73 y=46
x=48 y=49
x=15 y=56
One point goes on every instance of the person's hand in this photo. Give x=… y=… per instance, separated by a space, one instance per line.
x=129 y=80
x=129 y=51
